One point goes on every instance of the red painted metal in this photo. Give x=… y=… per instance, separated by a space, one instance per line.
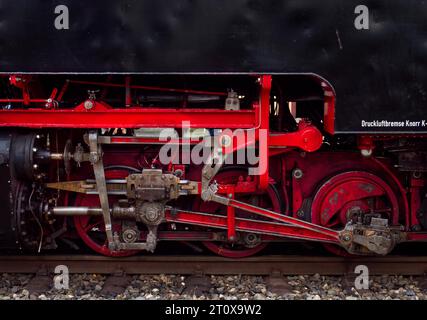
x=231 y=252
x=24 y=101
x=231 y=217
x=21 y=82
x=307 y=138
x=331 y=200
x=128 y=95
x=91 y=229
x=416 y=236
x=86 y=226
x=401 y=189
x=343 y=192
x=251 y=226
x=149 y=88
x=296 y=223
x=145 y=140
x=297 y=196
x=63 y=90
x=366 y=143
x=415 y=186
x=128 y=118
x=346 y=188
x=329 y=110
x=264 y=126
x=353 y=188
x=237 y=180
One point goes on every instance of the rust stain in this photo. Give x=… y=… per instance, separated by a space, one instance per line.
x=334 y=198
x=367 y=187
x=325 y=215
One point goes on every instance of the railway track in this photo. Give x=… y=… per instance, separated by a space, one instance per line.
x=187 y=265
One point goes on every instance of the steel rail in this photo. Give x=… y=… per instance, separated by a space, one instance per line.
x=263 y=265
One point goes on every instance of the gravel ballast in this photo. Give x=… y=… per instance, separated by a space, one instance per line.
x=148 y=287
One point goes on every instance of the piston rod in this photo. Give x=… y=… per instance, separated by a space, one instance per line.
x=116 y=212
x=77 y=211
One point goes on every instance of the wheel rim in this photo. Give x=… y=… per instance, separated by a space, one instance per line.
x=91 y=229
x=269 y=200
x=336 y=199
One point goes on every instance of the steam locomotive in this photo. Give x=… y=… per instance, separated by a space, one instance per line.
x=233 y=125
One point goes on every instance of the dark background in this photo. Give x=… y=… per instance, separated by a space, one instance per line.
x=378 y=74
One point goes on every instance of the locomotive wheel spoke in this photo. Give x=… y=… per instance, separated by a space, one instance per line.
x=96 y=239
x=90 y=227
x=350 y=193
x=268 y=200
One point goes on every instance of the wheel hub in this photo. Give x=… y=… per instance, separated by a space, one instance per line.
x=352 y=195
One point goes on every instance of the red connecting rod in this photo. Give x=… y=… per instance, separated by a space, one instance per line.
x=285 y=227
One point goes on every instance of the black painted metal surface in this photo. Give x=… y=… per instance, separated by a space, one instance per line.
x=378 y=74
x=7 y=233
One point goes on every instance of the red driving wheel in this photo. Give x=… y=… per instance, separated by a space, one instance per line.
x=91 y=229
x=348 y=192
x=268 y=200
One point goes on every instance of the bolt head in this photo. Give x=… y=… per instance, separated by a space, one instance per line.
x=298 y=173
x=346 y=237
x=88 y=104
x=366 y=152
